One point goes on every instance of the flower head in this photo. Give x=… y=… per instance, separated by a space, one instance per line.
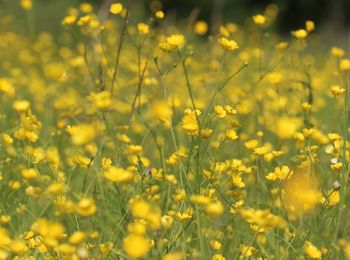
x=228 y=45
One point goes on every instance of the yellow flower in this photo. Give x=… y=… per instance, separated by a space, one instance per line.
x=274 y=77
x=69 y=20
x=300 y=34
x=174 y=256
x=55 y=188
x=310 y=26
x=18 y=246
x=312 y=251
x=336 y=90
x=135 y=149
x=166 y=47
x=51 y=231
x=82 y=161
x=262 y=218
x=282 y=45
x=176 y=40
x=220 y=111
x=86 y=8
x=140 y=209
x=26 y=4
x=336 y=166
x=77 y=237
x=161 y=112
x=5 y=239
x=201 y=27
x=251 y=144
x=216 y=245
x=118 y=175
x=224 y=31
x=261 y=150
x=189 y=122
x=286 y=127
x=106 y=163
x=301 y=194
x=106 y=248
x=346 y=247
x=143 y=28
x=200 y=199
x=65 y=249
x=5 y=219
x=205 y=133
x=30 y=174
x=123 y=138
x=334 y=137
x=183 y=216
x=172 y=42
x=218 y=257
x=337 y=52
x=247 y=251
x=230 y=110
x=21 y=105
x=228 y=45
x=101 y=100
x=214 y=209
x=14 y=185
x=259 y=19
x=86 y=207
x=332 y=198
x=231 y=134
x=237 y=181
x=136 y=246
x=116 y=8
x=160 y=15
x=344 y=64
x=170 y=178
x=306 y=106
x=280 y=173
x=167 y=221
x=82 y=134
x=137 y=228
x=7 y=87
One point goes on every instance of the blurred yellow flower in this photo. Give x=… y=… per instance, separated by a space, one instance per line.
x=143 y=28
x=312 y=251
x=301 y=194
x=136 y=246
x=214 y=209
x=26 y=4
x=82 y=134
x=300 y=34
x=118 y=175
x=201 y=27
x=116 y=8
x=189 y=122
x=259 y=19
x=310 y=26
x=228 y=45
x=86 y=207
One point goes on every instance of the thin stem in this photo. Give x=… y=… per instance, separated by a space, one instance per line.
x=188 y=84
x=138 y=91
x=222 y=86
x=122 y=34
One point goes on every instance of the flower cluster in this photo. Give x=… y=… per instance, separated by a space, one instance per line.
x=129 y=138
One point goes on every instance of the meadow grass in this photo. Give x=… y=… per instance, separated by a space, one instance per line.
x=125 y=137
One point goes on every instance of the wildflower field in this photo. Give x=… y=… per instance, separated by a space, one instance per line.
x=125 y=136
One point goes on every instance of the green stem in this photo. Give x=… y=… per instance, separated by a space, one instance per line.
x=122 y=34
x=188 y=85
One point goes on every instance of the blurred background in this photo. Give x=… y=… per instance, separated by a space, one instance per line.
x=333 y=15
x=292 y=13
